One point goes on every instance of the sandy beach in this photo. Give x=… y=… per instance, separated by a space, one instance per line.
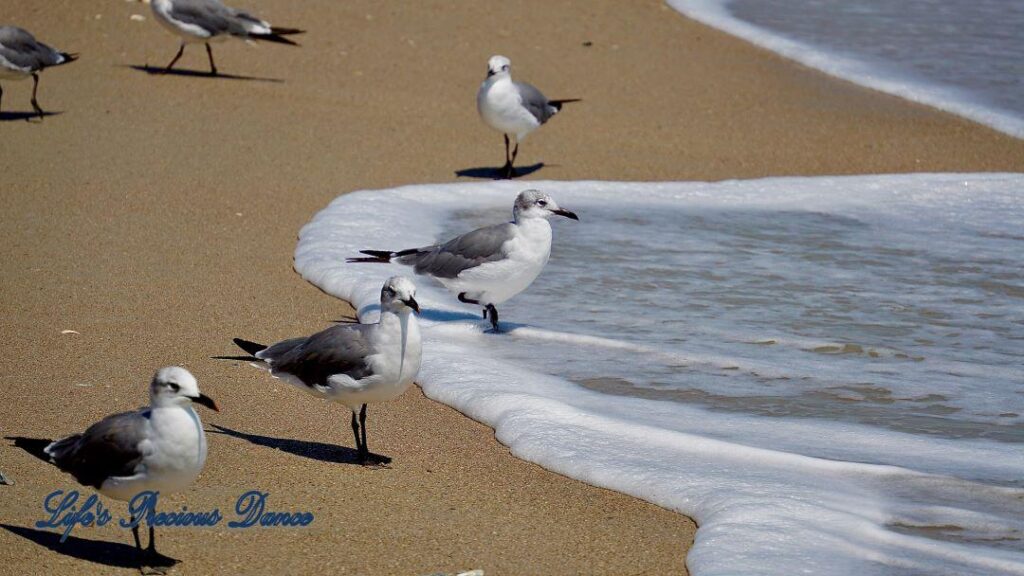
x=156 y=217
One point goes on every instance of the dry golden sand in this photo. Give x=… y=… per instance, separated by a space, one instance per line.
x=157 y=217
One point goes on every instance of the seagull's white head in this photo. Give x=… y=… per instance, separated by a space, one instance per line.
x=498 y=65
x=175 y=386
x=399 y=295
x=537 y=204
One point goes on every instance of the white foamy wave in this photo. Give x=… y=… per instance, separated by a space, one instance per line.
x=889 y=77
x=820 y=371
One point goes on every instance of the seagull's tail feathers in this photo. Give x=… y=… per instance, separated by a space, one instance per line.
x=557 y=104
x=58 y=450
x=382 y=256
x=278 y=35
x=67 y=58
x=250 y=347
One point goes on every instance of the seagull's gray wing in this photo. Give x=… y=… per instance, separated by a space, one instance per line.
x=535 y=102
x=461 y=253
x=108 y=448
x=20 y=48
x=337 y=350
x=214 y=17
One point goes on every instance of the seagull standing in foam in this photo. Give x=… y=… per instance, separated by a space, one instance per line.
x=492 y=264
x=513 y=108
x=21 y=56
x=205 y=21
x=354 y=364
x=160 y=448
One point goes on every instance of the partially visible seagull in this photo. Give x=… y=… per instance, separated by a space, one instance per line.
x=160 y=448
x=354 y=364
x=488 y=265
x=205 y=21
x=21 y=56
x=513 y=108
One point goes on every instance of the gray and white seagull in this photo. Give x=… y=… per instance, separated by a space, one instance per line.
x=160 y=448
x=205 y=21
x=353 y=364
x=513 y=108
x=491 y=264
x=22 y=56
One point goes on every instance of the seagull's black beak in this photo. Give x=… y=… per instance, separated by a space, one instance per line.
x=567 y=214
x=490 y=72
x=205 y=401
x=411 y=303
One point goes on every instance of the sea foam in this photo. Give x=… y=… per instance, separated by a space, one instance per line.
x=823 y=372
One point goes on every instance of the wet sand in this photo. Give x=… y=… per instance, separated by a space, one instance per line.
x=156 y=216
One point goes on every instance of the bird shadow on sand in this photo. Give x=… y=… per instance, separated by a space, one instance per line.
x=111 y=554
x=331 y=453
x=154 y=71
x=34 y=446
x=498 y=173
x=32 y=117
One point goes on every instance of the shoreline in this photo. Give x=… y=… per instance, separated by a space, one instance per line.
x=156 y=216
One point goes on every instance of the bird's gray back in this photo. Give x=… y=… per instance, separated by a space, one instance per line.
x=108 y=448
x=20 y=48
x=212 y=16
x=535 y=102
x=461 y=253
x=340 y=349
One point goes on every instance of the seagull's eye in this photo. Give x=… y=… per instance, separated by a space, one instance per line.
x=390 y=291
x=174 y=387
x=542 y=202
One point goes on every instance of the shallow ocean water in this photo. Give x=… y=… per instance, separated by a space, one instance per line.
x=963 y=56
x=826 y=373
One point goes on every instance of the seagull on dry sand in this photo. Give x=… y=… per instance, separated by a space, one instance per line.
x=513 y=108
x=205 y=21
x=354 y=364
x=161 y=448
x=22 y=56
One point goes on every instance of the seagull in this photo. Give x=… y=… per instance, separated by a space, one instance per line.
x=513 y=108
x=354 y=364
x=21 y=56
x=205 y=21
x=488 y=265
x=160 y=448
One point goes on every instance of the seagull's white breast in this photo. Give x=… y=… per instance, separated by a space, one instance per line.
x=495 y=282
x=174 y=453
x=394 y=362
x=501 y=106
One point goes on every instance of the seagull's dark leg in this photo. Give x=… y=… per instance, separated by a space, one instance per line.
x=152 y=542
x=362 y=426
x=181 y=50
x=209 y=54
x=35 y=87
x=135 y=533
x=492 y=313
x=1 y=97
x=511 y=168
x=508 y=162
x=355 y=432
